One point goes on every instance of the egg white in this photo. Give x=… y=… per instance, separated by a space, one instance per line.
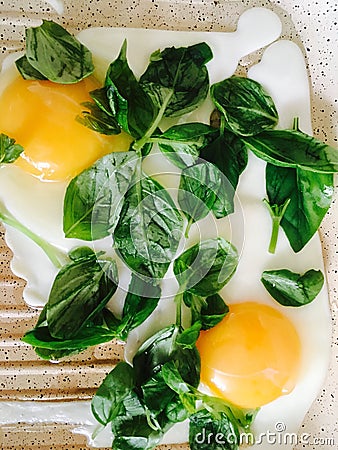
x=39 y=206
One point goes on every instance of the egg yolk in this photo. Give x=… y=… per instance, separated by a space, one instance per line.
x=41 y=117
x=251 y=357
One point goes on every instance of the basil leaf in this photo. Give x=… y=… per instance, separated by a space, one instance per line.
x=292 y=148
x=9 y=150
x=80 y=290
x=55 y=355
x=161 y=348
x=141 y=300
x=229 y=154
x=177 y=78
x=208 y=312
x=99 y=118
x=309 y=195
x=133 y=107
x=293 y=289
x=106 y=403
x=94 y=198
x=27 y=71
x=247 y=108
x=176 y=411
x=188 y=337
x=206 y=267
x=181 y=143
x=209 y=433
x=55 y=54
x=156 y=394
x=78 y=253
x=135 y=433
x=213 y=311
x=199 y=188
x=88 y=336
x=149 y=230
x=173 y=378
x=204 y=188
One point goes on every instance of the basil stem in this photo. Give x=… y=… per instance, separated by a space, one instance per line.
x=56 y=256
x=276 y=212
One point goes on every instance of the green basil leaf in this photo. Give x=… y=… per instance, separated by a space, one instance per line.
x=182 y=143
x=141 y=300
x=292 y=148
x=188 y=337
x=177 y=78
x=309 y=195
x=134 y=108
x=88 y=336
x=293 y=289
x=209 y=433
x=55 y=355
x=27 y=71
x=161 y=348
x=94 y=198
x=176 y=411
x=106 y=403
x=247 y=108
x=80 y=290
x=229 y=154
x=149 y=229
x=9 y=150
x=135 y=433
x=156 y=394
x=78 y=253
x=55 y=54
x=206 y=267
x=200 y=186
x=173 y=378
x=213 y=311
x=99 y=117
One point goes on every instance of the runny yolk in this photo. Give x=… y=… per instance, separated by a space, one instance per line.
x=252 y=357
x=41 y=116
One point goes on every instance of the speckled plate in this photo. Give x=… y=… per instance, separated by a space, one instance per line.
x=24 y=377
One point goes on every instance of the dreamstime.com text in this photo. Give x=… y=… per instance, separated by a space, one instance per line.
x=277 y=437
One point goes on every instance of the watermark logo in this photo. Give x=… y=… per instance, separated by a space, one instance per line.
x=278 y=436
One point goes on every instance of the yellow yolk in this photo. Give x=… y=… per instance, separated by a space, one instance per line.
x=252 y=357
x=41 y=116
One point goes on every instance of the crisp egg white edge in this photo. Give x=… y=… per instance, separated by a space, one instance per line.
x=283 y=73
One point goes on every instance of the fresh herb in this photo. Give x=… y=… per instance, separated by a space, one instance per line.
x=54 y=54
x=80 y=290
x=207 y=432
x=117 y=385
x=141 y=300
x=182 y=143
x=177 y=79
x=54 y=348
x=137 y=401
x=57 y=257
x=131 y=105
x=206 y=267
x=149 y=230
x=95 y=197
x=228 y=153
x=298 y=200
x=247 y=108
x=208 y=311
x=277 y=213
x=9 y=150
x=293 y=289
x=200 y=186
x=293 y=148
x=100 y=117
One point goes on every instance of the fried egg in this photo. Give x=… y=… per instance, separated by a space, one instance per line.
x=261 y=355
